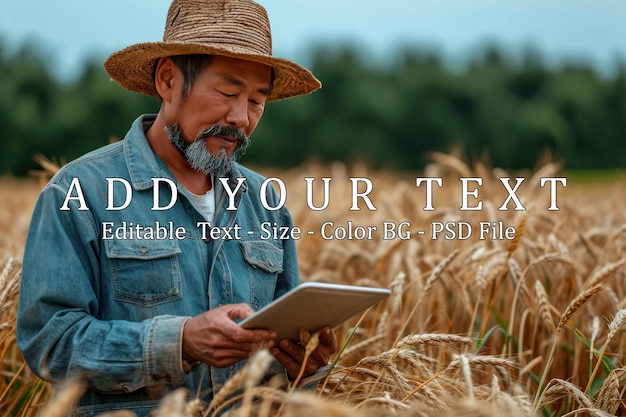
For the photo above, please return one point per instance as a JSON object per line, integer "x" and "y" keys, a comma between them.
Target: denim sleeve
{"x": 58, "y": 331}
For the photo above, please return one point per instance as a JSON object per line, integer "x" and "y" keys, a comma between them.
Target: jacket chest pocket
{"x": 263, "y": 255}
{"x": 144, "y": 272}
{"x": 265, "y": 263}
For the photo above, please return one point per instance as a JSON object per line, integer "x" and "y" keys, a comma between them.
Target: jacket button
{"x": 271, "y": 263}
{"x": 143, "y": 250}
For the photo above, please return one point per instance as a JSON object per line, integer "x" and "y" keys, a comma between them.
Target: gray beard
{"x": 198, "y": 156}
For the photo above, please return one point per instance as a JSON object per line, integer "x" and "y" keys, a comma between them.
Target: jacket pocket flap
{"x": 264, "y": 255}
{"x": 141, "y": 248}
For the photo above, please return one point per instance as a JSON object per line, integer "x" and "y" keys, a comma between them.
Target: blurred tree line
{"x": 388, "y": 116}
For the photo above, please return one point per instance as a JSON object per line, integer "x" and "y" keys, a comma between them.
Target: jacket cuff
{"x": 164, "y": 350}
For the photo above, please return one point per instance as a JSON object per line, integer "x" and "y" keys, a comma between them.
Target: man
{"x": 121, "y": 287}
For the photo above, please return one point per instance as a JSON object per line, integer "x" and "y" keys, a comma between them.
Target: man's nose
{"x": 238, "y": 113}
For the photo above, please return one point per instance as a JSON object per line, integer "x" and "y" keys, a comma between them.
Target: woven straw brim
{"x": 133, "y": 67}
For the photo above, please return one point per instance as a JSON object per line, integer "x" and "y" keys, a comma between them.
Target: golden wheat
{"x": 463, "y": 332}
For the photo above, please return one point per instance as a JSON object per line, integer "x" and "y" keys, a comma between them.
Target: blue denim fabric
{"x": 112, "y": 311}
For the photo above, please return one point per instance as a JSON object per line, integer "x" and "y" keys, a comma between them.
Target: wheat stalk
{"x": 311, "y": 344}
{"x": 617, "y": 322}
{"x": 434, "y": 339}
{"x": 595, "y": 332}
{"x": 467, "y": 374}
{"x": 436, "y": 272}
{"x": 575, "y": 305}
{"x": 605, "y": 272}
{"x": 559, "y": 388}
{"x": 64, "y": 400}
{"x": 544, "y": 307}
{"x": 247, "y": 376}
{"x": 609, "y": 394}
{"x": 519, "y": 229}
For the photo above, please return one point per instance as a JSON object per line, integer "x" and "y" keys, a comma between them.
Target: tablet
{"x": 311, "y": 306}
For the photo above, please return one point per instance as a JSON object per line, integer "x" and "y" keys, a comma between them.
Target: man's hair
{"x": 192, "y": 66}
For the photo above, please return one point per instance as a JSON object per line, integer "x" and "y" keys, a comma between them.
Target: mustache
{"x": 218, "y": 130}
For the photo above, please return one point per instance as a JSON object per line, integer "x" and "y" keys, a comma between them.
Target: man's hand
{"x": 291, "y": 354}
{"x": 215, "y": 339}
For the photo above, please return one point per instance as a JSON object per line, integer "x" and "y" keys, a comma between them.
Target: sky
{"x": 594, "y": 31}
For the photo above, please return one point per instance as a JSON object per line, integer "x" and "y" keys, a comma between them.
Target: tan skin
{"x": 228, "y": 92}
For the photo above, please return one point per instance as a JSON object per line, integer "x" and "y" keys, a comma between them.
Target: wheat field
{"x": 526, "y": 326}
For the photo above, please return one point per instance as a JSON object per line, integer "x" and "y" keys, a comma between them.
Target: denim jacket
{"x": 111, "y": 310}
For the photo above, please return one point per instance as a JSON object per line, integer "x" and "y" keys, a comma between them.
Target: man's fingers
{"x": 239, "y": 335}
{"x": 214, "y": 337}
{"x": 226, "y": 354}
{"x": 225, "y": 344}
{"x": 291, "y": 356}
{"x": 328, "y": 339}
{"x": 237, "y": 311}
{"x": 224, "y": 361}
{"x": 291, "y": 366}
{"x": 292, "y": 349}
{"x": 234, "y": 332}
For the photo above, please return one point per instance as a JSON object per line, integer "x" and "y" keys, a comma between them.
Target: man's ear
{"x": 164, "y": 78}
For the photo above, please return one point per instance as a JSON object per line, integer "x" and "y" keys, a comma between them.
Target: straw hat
{"x": 232, "y": 28}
